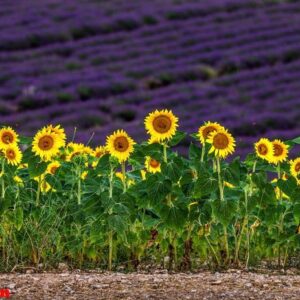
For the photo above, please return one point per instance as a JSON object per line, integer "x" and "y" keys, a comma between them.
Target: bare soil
{"x": 233, "y": 284}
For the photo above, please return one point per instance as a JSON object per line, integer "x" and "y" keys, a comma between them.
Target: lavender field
{"x": 104, "y": 65}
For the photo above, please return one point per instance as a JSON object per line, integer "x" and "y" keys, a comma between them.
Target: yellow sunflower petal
{"x": 7, "y": 137}
{"x": 13, "y": 154}
{"x": 152, "y": 165}
{"x": 205, "y": 130}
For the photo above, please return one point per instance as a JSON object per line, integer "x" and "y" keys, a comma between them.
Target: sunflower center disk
{"x": 277, "y": 150}
{"x": 262, "y": 149}
{"x": 53, "y": 170}
{"x": 207, "y": 131}
{"x": 154, "y": 163}
{"x": 220, "y": 141}
{"x": 162, "y": 124}
{"x": 7, "y": 138}
{"x": 46, "y": 143}
{"x": 297, "y": 167}
{"x": 11, "y": 154}
{"x": 121, "y": 144}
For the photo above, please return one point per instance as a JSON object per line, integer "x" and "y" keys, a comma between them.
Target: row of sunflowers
{"x": 133, "y": 202}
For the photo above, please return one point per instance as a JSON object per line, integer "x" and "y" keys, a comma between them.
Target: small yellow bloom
{"x": 52, "y": 167}
{"x": 229, "y": 185}
{"x": 100, "y": 151}
{"x": 19, "y": 180}
{"x": 295, "y": 168}
{"x": 84, "y": 175}
{"x": 152, "y": 165}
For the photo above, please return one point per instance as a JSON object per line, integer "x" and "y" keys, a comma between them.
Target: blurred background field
{"x": 104, "y": 65}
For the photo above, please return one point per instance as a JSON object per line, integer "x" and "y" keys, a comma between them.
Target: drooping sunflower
{"x": 13, "y": 154}
{"x": 280, "y": 152}
{"x": 59, "y": 131}
{"x": 161, "y": 125}
{"x": 222, "y": 143}
{"x": 205, "y": 130}
{"x": 7, "y": 137}
{"x": 295, "y": 168}
{"x": 120, "y": 145}
{"x": 46, "y": 144}
{"x": 264, "y": 149}
{"x": 52, "y": 167}
{"x": 152, "y": 165}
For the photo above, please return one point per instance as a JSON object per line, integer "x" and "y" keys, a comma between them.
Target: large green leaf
{"x": 158, "y": 188}
{"x": 224, "y": 211}
{"x": 205, "y": 185}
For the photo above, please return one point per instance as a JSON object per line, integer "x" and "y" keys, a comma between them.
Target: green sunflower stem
{"x": 111, "y": 176}
{"x": 123, "y": 165}
{"x": 165, "y": 153}
{"x": 38, "y": 194}
{"x": 221, "y": 187}
{"x": 2, "y": 179}
{"x": 279, "y": 177}
{"x": 110, "y": 249}
{"x": 203, "y": 152}
{"x": 79, "y": 186}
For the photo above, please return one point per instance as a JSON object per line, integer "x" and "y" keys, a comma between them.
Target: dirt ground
{"x": 233, "y": 284}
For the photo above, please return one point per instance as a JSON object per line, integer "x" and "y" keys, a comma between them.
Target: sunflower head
{"x": 161, "y": 125}
{"x": 59, "y": 131}
{"x": 100, "y": 151}
{"x": 120, "y": 145}
{"x": 76, "y": 149}
{"x": 205, "y": 130}
{"x": 46, "y": 144}
{"x": 52, "y": 167}
{"x": 295, "y": 168}
{"x": 152, "y": 165}
{"x": 7, "y": 137}
{"x": 13, "y": 155}
{"x": 222, "y": 143}
{"x": 264, "y": 149}
{"x": 280, "y": 152}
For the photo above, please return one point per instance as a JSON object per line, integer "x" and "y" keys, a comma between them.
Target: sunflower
{"x": 295, "y": 168}
{"x": 120, "y": 145}
{"x": 280, "y": 152}
{"x": 222, "y": 143}
{"x": 46, "y": 144}
{"x": 161, "y": 125}
{"x": 18, "y": 180}
{"x": 264, "y": 149}
{"x": 152, "y": 165}
{"x": 205, "y": 130}
{"x": 75, "y": 149}
{"x": 100, "y": 151}
{"x": 52, "y": 167}
{"x": 278, "y": 192}
{"x": 59, "y": 131}
{"x": 7, "y": 137}
{"x": 13, "y": 155}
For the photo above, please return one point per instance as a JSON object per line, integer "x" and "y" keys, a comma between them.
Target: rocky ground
{"x": 233, "y": 284}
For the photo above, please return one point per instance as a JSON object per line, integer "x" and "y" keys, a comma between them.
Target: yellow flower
{"x": 84, "y": 175}
{"x": 278, "y": 192}
{"x": 100, "y": 151}
{"x": 280, "y": 152}
{"x": 264, "y": 149}
{"x": 18, "y": 180}
{"x": 7, "y": 137}
{"x": 222, "y": 143}
{"x": 152, "y": 165}
{"x": 75, "y": 149}
{"x": 229, "y": 185}
{"x": 52, "y": 167}
{"x": 46, "y": 144}
{"x": 161, "y": 125}
{"x": 295, "y": 168}
{"x": 120, "y": 176}
{"x": 120, "y": 145}
{"x": 59, "y": 131}
{"x": 205, "y": 130}
{"x": 143, "y": 174}
{"x": 13, "y": 154}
